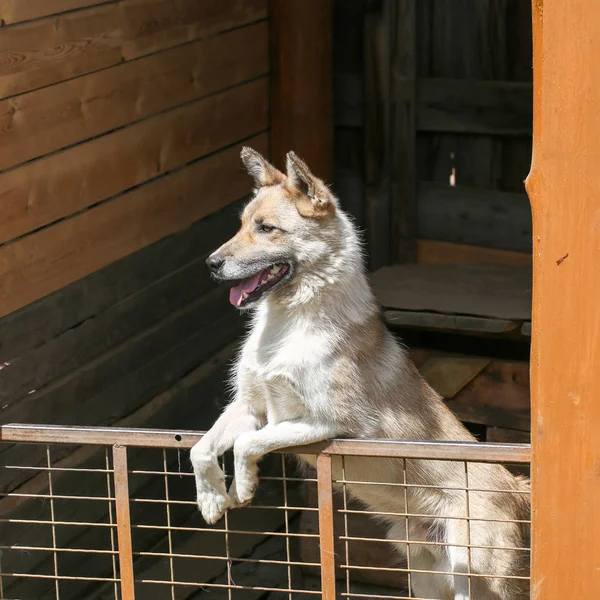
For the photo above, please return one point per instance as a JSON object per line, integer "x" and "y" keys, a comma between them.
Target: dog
{"x": 319, "y": 363}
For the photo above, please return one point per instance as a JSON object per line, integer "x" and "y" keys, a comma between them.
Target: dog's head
{"x": 288, "y": 230}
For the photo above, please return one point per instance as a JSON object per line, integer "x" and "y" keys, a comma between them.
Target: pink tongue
{"x": 247, "y": 285}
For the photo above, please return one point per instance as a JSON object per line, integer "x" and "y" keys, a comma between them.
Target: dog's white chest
{"x": 290, "y": 361}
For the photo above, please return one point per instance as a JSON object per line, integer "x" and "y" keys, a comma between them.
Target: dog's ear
{"x": 263, "y": 172}
{"x": 313, "y": 197}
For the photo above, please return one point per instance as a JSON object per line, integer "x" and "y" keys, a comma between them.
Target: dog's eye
{"x": 266, "y": 228}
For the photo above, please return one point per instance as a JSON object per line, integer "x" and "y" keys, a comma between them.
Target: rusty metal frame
{"x": 121, "y": 439}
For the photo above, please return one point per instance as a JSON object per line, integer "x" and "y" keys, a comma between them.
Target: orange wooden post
{"x": 564, "y": 189}
{"x": 301, "y": 83}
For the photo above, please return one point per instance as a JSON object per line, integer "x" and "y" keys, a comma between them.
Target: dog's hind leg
{"x": 459, "y": 558}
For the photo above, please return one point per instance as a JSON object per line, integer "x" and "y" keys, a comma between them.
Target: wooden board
{"x": 54, "y": 257}
{"x": 46, "y": 51}
{"x": 301, "y": 96}
{"x": 498, "y": 396}
{"x": 15, "y": 11}
{"x": 36, "y": 324}
{"x": 52, "y": 118}
{"x": 153, "y": 25}
{"x": 474, "y": 216}
{"x": 492, "y": 291}
{"x": 563, "y": 187}
{"x": 467, "y": 106}
{"x": 434, "y": 251}
{"x": 403, "y": 168}
{"x": 61, "y": 184}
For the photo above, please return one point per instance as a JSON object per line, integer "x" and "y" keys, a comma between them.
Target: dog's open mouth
{"x": 252, "y": 288}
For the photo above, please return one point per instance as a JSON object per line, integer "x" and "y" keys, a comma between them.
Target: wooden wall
{"x": 120, "y": 129}
{"x": 423, "y": 88}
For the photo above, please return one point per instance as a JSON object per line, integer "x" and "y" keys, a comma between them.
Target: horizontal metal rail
{"x": 162, "y": 438}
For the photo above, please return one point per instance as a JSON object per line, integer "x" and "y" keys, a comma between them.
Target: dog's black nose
{"x": 214, "y": 262}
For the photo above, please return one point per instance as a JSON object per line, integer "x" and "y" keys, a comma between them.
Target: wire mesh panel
{"x": 459, "y": 535}
{"x": 111, "y": 514}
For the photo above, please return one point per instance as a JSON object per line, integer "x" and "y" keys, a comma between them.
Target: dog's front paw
{"x": 242, "y": 489}
{"x": 213, "y": 503}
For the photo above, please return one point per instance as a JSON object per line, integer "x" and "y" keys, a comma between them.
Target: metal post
{"x": 123, "y": 522}
{"x": 326, "y": 535}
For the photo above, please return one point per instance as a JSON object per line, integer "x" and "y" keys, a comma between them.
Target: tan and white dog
{"x": 318, "y": 363}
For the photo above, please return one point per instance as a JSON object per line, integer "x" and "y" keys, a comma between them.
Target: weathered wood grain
{"x": 498, "y": 396}
{"x": 403, "y": 172}
{"x": 52, "y": 118}
{"x": 490, "y": 291}
{"x": 377, "y": 129}
{"x": 54, "y": 257}
{"x": 71, "y": 306}
{"x": 301, "y": 93}
{"x": 465, "y": 106}
{"x": 474, "y": 216}
{"x": 61, "y": 184}
{"x": 25, "y": 375}
{"x": 153, "y": 25}
{"x": 434, "y": 251}
{"x": 46, "y": 51}
{"x": 16, "y": 11}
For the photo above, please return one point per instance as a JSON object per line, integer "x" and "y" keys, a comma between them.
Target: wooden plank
{"x": 563, "y": 188}
{"x": 403, "y": 173}
{"x": 498, "y": 396}
{"x": 47, "y": 318}
{"x": 448, "y": 375}
{"x": 456, "y": 32}
{"x": 61, "y": 184}
{"x": 436, "y": 321}
{"x": 153, "y": 25}
{"x": 434, "y": 251}
{"x": 301, "y": 96}
{"x": 25, "y": 375}
{"x": 377, "y": 126}
{"x": 52, "y": 118}
{"x": 16, "y": 11}
{"x": 470, "y": 106}
{"x": 473, "y": 216}
{"x": 47, "y": 260}
{"x": 510, "y": 436}
{"x": 47, "y": 51}
{"x": 491, "y": 291}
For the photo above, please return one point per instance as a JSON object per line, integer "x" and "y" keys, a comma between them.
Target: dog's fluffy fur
{"x": 318, "y": 363}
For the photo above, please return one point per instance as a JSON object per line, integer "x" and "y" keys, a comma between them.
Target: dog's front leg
{"x": 250, "y": 447}
{"x": 211, "y": 490}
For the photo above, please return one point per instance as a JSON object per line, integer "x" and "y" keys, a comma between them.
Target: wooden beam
{"x": 302, "y": 85}
{"x": 466, "y": 106}
{"x": 564, "y": 189}
{"x": 403, "y": 173}
{"x": 475, "y": 216}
